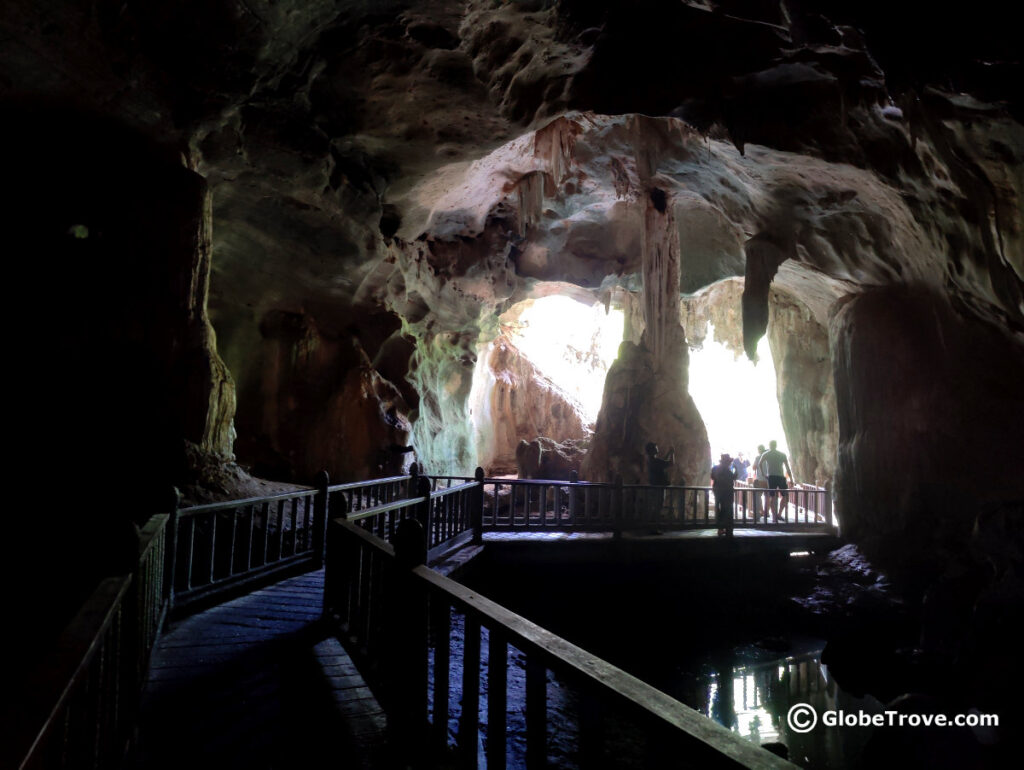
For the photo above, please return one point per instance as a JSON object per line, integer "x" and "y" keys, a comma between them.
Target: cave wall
{"x": 805, "y": 387}
{"x": 930, "y": 408}
{"x": 442, "y": 373}
{"x": 513, "y": 401}
{"x": 427, "y": 162}
{"x": 313, "y": 400}
{"x": 799, "y": 346}
{"x": 115, "y": 235}
{"x": 120, "y": 386}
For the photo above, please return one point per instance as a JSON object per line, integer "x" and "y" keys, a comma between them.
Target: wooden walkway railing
{"x": 524, "y": 505}
{"x": 84, "y": 704}
{"x": 399, "y": 615}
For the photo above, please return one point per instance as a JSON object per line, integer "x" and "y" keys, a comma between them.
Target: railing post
{"x": 171, "y": 546}
{"x": 827, "y": 505}
{"x": 320, "y": 518}
{"x": 574, "y": 479}
{"x": 478, "y": 508}
{"x": 617, "y": 506}
{"x": 408, "y": 642}
{"x": 422, "y": 511}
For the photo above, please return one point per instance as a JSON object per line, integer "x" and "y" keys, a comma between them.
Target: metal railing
{"x": 398, "y": 615}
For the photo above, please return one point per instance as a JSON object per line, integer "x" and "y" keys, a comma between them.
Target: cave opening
{"x": 542, "y": 375}
{"x": 736, "y": 397}
{"x": 571, "y": 343}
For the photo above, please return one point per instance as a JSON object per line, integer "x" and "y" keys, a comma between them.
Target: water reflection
{"x": 754, "y": 699}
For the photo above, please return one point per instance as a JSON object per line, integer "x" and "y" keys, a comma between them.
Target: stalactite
{"x": 530, "y": 197}
{"x": 555, "y": 144}
{"x": 660, "y": 244}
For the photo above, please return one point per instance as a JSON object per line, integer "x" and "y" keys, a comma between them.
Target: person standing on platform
{"x": 657, "y": 467}
{"x": 759, "y": 483}
{"x": 723, "y": 478}
{"x": 774, "y": 466}
{"x": 657, "y": 476}
{"x": 740, "y": 464}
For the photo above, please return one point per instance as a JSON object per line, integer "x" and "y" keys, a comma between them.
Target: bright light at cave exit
{"x": 574, "y": 345}
{"x": 737, "y": 399}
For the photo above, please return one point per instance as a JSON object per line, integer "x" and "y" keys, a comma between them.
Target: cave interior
{"x": 254, "y": 240}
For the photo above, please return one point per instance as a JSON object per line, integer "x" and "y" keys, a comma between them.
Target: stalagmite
{"x": 645, "y": 396}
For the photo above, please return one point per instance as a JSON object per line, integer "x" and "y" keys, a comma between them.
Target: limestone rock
{"x": 928, "y": 405}
{"x": 806, "y": 390}
{"x": 642, "y": 405}
{"x": 545, "y": 458}
{"x": 519, "y": 403}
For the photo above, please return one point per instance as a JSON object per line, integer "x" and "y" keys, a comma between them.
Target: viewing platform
{"x": 322, "y": 623}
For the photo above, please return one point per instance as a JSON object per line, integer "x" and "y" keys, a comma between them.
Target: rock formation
{"x": 403, "y": 173}
{"x": 646, "y": 397}
{"x": 544, "y": 458}
{"x": 517, "y": 402}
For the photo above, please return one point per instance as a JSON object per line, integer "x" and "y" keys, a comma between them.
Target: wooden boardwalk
{"x": 257, "y": 682}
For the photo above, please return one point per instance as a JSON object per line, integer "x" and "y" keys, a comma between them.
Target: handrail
{"x": 226, "y": 504}
{"x": 391, "y": 614}
{"x": 101, "y": 658}
{"x": 563, "y": 656}
{"x": 367, "y": 513}
{"x": 450, "y": 516}
{"x": 359, "y": 484}
{"x": 453, "y": 490}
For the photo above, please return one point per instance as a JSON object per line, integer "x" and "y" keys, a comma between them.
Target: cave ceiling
{"x": 372, "y": 156}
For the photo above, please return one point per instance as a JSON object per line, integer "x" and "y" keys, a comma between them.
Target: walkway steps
{"x": 257, "y": 683}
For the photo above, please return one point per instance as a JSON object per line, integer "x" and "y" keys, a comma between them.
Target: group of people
{"x": 770, "y": 469}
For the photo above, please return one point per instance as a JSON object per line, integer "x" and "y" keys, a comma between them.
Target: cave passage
{"x": 737, "y": 398}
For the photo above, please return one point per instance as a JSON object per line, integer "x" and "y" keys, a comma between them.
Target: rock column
{"x": 645, "y": 396}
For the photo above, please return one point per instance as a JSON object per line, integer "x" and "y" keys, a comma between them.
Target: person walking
{"x": 723, "y": 478}
{"x": 773, "y": 465}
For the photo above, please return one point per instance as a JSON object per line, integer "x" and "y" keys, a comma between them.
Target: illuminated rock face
{"x": 805, "y": 387}
{"x": 517, "y": 402}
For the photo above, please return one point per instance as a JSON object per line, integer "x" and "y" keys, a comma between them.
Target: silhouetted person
{"x": 723, "y": 477}
{"x": 657, "y": 476}
{"x": 774, "y": 466}
{"x": 657, "y": 467}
